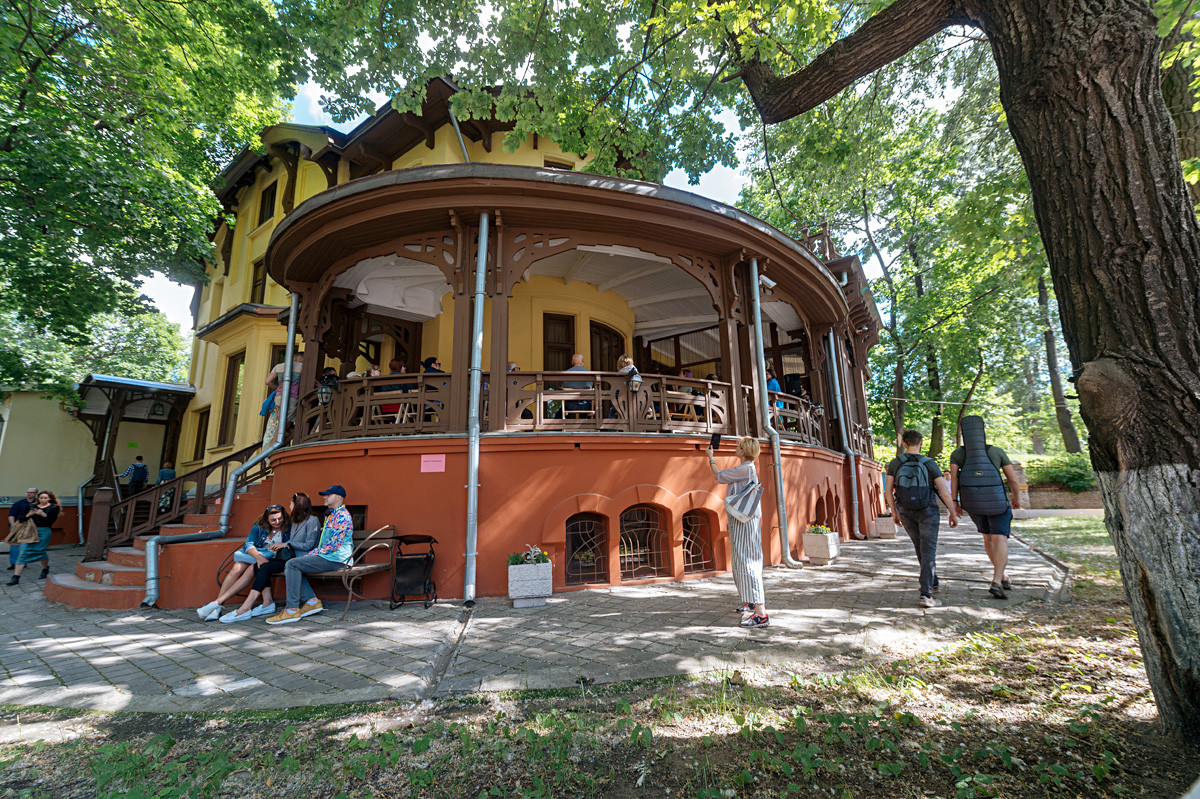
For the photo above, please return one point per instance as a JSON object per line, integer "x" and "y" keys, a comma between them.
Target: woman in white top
{"x": 745, "y": 538}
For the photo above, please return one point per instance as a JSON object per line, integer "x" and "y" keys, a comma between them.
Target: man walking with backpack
{"x": 138, "y": 474}
{"x": 977, "y": 488}
{"x": 914, "y": 482}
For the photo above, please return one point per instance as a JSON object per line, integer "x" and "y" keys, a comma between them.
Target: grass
{"x": 1052, "y": 704}
{"x": 1084, "y": 545}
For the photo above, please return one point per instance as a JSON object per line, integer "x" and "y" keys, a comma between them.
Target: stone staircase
{"x": 119, "y": 581}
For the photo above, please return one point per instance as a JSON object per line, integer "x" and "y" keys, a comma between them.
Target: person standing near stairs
{"x": 43, "y": 514}
{"x": 138, "y": 474}
{"x": 15, "y": 514}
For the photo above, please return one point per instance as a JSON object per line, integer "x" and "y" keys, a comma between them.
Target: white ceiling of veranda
{"x": 665, "y": 300}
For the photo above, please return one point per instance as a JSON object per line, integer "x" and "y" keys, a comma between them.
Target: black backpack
{"x": 913, "y": 490}
{"x": 980, "y": 487}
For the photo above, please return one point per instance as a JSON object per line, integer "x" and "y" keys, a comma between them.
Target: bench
{"x": 382, "y": 540}
{"x": 359, "y": 567}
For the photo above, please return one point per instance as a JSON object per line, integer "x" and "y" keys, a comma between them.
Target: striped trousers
{"x": 746, "y": 542}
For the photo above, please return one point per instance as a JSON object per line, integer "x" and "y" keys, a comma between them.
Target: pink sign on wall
{"x": 433, "y": 463}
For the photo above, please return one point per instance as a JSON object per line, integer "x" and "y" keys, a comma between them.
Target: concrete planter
{"x": 821, "y": 548}
{"x": 885, "y": 526}
{"x": 530, "y": 583}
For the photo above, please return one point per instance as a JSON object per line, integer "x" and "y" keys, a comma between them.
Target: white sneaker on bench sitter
{"x": 262, "y": 610}
{"x": 311, "y": 607}
{"x": 209, "y": 612}
{"x": 233, "y": 616}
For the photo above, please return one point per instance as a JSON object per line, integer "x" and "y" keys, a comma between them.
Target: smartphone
{"x": 715, "y": 441}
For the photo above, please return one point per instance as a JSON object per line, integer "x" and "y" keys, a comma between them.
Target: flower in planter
{"x": 531, "y": 555}
{"x": 819, "y": 529}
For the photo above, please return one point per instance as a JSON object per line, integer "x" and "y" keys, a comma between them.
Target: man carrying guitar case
{"x": 977, "y": 487}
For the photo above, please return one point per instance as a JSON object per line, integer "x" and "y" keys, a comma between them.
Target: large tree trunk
{"x": 1065, "y": 425}
{"x": 1079, "y": 86}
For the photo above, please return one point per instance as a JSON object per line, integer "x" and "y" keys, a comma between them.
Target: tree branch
{"x": 882, "y": 39}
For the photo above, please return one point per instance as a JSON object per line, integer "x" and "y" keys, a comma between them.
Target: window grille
{"x": 587, "y": 549}
{"x": 697, "y": 543}
{"x": 645, "y": 549}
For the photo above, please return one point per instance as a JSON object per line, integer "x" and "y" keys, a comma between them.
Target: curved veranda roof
{"x": 371, "y": 216}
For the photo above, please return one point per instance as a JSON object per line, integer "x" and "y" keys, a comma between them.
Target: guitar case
{"x": 980, "y": 485}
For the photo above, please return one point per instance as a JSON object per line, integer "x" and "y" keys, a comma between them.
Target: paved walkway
{"x": 168, "y": 661}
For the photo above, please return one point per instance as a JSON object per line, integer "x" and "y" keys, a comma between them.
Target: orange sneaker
{"x": 286, "y": 616}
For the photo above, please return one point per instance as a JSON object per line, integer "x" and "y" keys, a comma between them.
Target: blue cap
{"x": 334, "y": 489}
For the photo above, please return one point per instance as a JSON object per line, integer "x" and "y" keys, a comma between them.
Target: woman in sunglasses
{"x": 266, "y": 540}
{"x": 305, "y": 534}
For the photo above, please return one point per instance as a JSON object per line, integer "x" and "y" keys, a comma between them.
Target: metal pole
{"x": 839, "y": 405}
{"x": 473, "y": 404}
{"x": 231, "y": 486}
{"x": 764, "y": 411}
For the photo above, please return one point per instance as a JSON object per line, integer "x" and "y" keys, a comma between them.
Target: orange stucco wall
{"x": 530, "y": 485}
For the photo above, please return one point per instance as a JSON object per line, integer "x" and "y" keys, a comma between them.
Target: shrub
{"x": 1074, "y": 471}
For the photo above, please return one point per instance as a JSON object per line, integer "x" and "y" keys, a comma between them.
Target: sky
{"x": 721, "y": 184}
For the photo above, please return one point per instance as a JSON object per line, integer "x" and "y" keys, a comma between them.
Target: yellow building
{"x": 239, "y": 337}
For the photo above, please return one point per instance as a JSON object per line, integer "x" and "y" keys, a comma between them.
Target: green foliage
{"x": 531, "y": 555}
{"x": 144, "y": 345}
{"x": 116, "y": 118}
{"x": 1074, "y": 471}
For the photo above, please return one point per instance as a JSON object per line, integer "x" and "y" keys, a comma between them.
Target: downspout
{"x": 764, "y": 411}
{"x": 154, "y": 542}
{"x": 458, "y": 133}
{"x": 473, "y": 413}
{"x": 839, "y": 406}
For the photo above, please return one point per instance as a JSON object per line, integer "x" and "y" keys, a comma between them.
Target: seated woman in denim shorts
{"x": 271, "y": 529}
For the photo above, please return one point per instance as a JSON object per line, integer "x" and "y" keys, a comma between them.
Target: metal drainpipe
{"x": 458, "y": 133}
{"x": 839, "y": 406}
{"x": 231, "y": 486}
{"x": 473, "y": 413}
{"x": 764, "y": 411}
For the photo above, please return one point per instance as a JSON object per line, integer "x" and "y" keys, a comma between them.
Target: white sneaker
{"x": 233, "y": 616}
{"x": 263, "y": 610}
{"x": 209, "y": 612}
{"x": 926, "y": 602}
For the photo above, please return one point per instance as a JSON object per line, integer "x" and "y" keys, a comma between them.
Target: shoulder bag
{"x": 23, "y": 532}
{"x": 742, "y": 504}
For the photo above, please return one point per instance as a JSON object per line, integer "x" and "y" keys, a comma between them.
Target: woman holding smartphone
{"x": 745, "y": 538}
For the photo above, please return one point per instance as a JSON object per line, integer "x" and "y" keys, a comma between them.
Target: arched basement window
{"x": 587, "y": 549}
{"x": 645, "y": 549}
{"x": 697, "y": 542}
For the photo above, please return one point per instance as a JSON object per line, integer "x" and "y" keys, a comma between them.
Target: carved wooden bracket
{"x": 290, "y": 160}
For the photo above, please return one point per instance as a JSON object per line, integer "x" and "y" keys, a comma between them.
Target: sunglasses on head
{"x": 274, "y": 508}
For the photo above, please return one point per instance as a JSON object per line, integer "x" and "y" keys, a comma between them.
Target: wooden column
{"x": 97, "y": 535}
{"x": 731, "y": 361}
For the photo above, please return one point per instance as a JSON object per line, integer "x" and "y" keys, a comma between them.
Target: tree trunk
{"x": 1079, "y": 83}
{"x": 937, "y": 430}
{"x": 1061, "y": 411}
{"x": 1033, "y": 406}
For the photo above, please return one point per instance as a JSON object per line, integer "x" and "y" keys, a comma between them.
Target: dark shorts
{"x": 993, "y": 525}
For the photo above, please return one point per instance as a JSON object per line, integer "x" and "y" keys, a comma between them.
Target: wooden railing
{"x": 860, "y": 440}
{"x": 394, "y": 405}
{"x": 170, "y": 501}
{"x": 663, "y": 403}
{"x": 389, "y": 405}
{"x": 796, "y": 419}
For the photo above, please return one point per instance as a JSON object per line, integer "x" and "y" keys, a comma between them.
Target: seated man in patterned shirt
{"x": 333, "y": 552}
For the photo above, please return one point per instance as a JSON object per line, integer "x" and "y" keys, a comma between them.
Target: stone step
{"x": 105, "y": 572}
{"x": 207, "y": 520}
{"x": 70, "y": 589}
{"x": 127, "y": 556}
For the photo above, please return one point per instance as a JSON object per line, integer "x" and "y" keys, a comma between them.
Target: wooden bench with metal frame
{"x": 358, "y": 568}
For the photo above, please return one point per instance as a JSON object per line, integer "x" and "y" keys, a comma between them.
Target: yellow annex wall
{"x": 583, "y": 301}
{"x": 63, "y": 447}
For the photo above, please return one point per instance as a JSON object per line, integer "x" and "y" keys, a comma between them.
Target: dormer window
{"x": 266, "y": 203}
{"x": 558, "y": 163}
